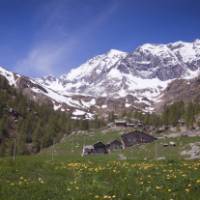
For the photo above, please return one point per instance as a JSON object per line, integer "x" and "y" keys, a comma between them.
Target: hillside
{"x": 71, "y": 146}
{"x": 26, "y": 126}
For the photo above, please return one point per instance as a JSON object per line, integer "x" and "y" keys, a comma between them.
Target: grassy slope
{"x": 71, "y": 147}
{"x": 70, "y": 176}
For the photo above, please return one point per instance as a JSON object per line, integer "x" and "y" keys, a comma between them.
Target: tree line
{"x": 172, "y": 115}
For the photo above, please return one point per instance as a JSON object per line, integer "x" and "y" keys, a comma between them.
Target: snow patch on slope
{"x": 9, "y": 76}
{"x": 185, "y": 50}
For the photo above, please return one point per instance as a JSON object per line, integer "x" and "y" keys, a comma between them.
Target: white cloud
{"x": 43, "y": 59}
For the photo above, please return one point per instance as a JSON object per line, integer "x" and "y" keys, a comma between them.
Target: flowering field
{"x": 39, "y": 179}
{"x": 60, "y": 173}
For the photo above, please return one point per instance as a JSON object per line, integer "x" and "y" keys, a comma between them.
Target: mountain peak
{"x": 114, "y": 52}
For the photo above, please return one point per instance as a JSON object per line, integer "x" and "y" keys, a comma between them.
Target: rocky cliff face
{"x": 162, "y": 61}
{"x": 186, "y": 90}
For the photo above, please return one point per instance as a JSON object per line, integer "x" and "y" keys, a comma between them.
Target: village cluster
{"x": 126, "y": 140}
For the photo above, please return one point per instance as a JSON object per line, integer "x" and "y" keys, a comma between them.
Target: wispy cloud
{"x": 52, "y": 51}
{"x": 44, "y": 58}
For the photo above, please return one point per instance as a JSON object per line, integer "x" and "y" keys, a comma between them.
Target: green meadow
{"x": 145, "y": 172}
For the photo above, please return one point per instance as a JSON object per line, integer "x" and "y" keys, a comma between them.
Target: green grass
{"x": 72, "y": 177}
{"x": 39, "y": 179}
{"x": 71, "y": 147}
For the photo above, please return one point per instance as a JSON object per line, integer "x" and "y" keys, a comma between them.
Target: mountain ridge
{"x": 138, "y": 77}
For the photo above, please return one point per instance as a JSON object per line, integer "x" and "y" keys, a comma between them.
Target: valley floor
{"x": 143, "y": 172}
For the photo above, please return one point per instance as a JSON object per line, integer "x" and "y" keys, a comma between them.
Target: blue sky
{"x": 41, "y": 37}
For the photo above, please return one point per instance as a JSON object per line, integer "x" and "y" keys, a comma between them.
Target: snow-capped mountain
{"x": 118, "y": 80}
{"x": 143, "y": 73}
{"x": 88, "y": 73}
